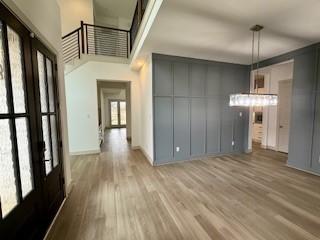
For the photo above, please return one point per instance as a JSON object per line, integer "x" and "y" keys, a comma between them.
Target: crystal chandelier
{"x": 254, "y": 99}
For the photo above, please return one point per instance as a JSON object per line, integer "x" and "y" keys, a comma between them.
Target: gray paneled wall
{"x": 304, "y": 136}
{"x": 192, "y": 116}
{"x": 315, "y": 163}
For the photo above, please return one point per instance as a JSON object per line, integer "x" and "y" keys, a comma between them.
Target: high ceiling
{"x": 112, "y": 11}
{"x": 219, "y": 30}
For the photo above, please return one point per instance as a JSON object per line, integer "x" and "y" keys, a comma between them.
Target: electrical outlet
{"x": 177, "y": 149}
{"x": 232, "y": 143}
{"x": 240, "y": 114}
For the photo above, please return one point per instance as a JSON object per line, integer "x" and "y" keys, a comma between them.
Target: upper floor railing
{"x": 98, "y": 40}
{"x": 95, "y": 40}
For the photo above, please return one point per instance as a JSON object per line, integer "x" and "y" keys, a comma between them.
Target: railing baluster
{"x": 82, "y": 37}
{"x": 78, "y": 35}
{"x": 86, "y": 26}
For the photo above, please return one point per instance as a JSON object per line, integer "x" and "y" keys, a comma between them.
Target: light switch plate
{"x": 177, "y": 149}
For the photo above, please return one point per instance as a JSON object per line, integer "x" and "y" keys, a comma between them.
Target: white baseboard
{"x": 69, "y": 188}
{"x": 269, "y": 147}
{"x": 85, "y": 152}
{"x": 144, "y": 153}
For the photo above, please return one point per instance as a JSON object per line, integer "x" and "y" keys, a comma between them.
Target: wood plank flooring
{"x": 118, "y": 195}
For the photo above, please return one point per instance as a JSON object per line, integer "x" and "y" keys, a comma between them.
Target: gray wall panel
{"x": 213, "y": 80}
{"x": 213, "y": 125}
{"x": 163, "y": 125}
{"x": 302, "y": 111}
{"x": 181, "y": 79}
{"x": 198, "y": 79}
{"x": 227, "y": 120}
{"x": 163, "y": 82}
{"x": 181, "y": 128}
{"x": 200, "y": 101}
{"x": 198, "y": 126}
{"x": 315, "y": 164}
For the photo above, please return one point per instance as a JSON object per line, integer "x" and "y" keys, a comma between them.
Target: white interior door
{"x": 284, "y": 107}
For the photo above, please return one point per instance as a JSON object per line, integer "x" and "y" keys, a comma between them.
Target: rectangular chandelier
{"x": 253, "y": 100}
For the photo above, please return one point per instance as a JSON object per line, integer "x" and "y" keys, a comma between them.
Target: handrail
{"x": 101, "y": 40}
{"x": 67, "y": 35}
{"x": 111, "y": 28}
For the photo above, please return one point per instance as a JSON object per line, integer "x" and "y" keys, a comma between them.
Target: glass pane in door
{"x": 17, "y": 72}
{"x": 8, "y": 187}
{"x": 24, "y": 154}
{"x": 3, "y": 76}
{"x": 46, "y": 139}
{"x": 42, "y": 82}
{"x": 123, "y": 119}
{"x": 50, "y": 85}
{"x": 114, "y": 113}
{"x": 54, "y": 140}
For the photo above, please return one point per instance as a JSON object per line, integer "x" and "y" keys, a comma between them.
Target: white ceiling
{"x": 114, "y": 9}
{"x": 219, "y": 30}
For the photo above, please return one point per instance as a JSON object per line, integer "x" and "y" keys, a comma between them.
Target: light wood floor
{"x": 118, "y": 195}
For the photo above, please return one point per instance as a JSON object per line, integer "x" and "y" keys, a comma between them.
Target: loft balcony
{"x": 90, "y": 39}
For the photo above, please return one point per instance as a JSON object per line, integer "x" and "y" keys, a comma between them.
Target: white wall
{"x": 43, "y": 18}
{"x": 273, "y": 74}
{"x": 82, "y": 103}
{"x": 146, "y": 108}
{"x": 73, "y": 11}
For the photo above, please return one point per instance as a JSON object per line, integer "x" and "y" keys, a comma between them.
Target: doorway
{"x": 284, "y": 107}
{"x": 31, "y": 177}
{"x": 114, "y": 108}
{"x": 269, "y": 126}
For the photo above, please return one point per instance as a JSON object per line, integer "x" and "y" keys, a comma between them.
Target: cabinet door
{"x": 198, "y": 126}
{"x": 163, "y": 83}
{"x": 213, "y": 125}
{"x": 163, "y": 128}
{"x": 181, "y": 79}
{"x": 181, "y": 129}
{"x": 198, "y": 79}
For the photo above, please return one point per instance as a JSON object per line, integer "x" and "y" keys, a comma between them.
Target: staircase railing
{"x": 95, "y": 40}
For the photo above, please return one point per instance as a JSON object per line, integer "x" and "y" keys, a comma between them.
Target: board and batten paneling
{"x": 213, "y": 125}
{"x": 163, "y": 120}
{"x": 181, "y": 79}
{"x": 315, "y": 164}
{"x": 197, "y": 79}
{"x": 302, "y": 111}
{"x": 198, "y": 126}
{"x": 181, "y": 128}
{"x": 197, "y": 99}
{"x": 163, "y": 81}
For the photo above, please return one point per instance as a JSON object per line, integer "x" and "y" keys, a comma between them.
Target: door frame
{"x": 119, "y": 115}
{"x": 278, "y": 114}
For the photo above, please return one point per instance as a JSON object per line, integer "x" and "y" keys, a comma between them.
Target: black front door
{"x": 46, "y": 95}
{"x": 31, "y": 186}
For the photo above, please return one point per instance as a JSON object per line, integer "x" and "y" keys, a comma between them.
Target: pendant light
{"x": 254, "y": 99}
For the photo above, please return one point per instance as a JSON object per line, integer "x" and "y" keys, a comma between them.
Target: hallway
{"x": 119, "y": 195}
